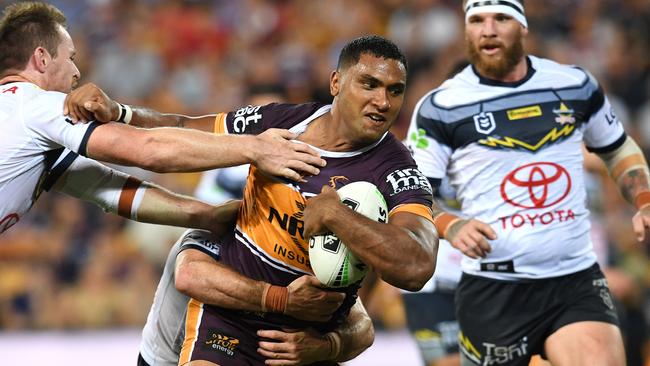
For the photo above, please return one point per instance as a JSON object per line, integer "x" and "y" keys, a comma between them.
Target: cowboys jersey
{"x": 33, "y": 131}
{"x": 512, "y": 152}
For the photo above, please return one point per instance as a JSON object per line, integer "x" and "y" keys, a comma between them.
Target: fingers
{"x": 273, "y": 334}
{"x": 639, "y": 226}
{"x": 306, "y": 149}
{"x": 277, "y": 132}
{"x": 485, "y": 229}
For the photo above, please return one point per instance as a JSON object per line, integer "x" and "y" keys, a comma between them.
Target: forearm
{"x": 215, "y": 284}
{"x": 160, "y": 206}
{"x": 167, "y": 150}
{"x": 629, "y": 169}
{"x": 400, "y": 257}
{"x": 357, "y": 333}
{"x": 148, "y": 118}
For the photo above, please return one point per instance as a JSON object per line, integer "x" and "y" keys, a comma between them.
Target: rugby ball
{"x": 332, "y": 262}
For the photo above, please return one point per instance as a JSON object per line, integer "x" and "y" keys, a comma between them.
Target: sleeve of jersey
{"x": 405, "y": 187}
{"x": 428, "y": 140}
{"x": 604, "y": 131}
{"x": 51, "y": 129}
{"x": 201, "y": 240}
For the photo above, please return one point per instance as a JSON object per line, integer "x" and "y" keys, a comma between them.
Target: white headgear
{"x": 511, "y": 7}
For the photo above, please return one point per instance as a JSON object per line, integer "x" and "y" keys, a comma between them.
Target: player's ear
{"x": 335, "y": 83}
{"x": 42, "y": 59}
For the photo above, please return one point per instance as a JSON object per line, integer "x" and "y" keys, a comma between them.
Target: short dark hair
{"x": 375, "y": 45}
{"x": 24, "y": 27}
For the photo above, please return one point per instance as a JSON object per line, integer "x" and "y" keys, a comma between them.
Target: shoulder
{"x": 565, "y": 75}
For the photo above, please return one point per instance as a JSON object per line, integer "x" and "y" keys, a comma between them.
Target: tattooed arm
{"x": 628, "y": 167}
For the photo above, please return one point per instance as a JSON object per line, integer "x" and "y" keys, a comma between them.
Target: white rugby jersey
{"x": 512, "y": 152}
{"x": 33, "y": 131}
{"x": 163, "y": 334}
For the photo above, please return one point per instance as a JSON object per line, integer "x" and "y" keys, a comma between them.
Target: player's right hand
{"x": 470, "y": 237}
{"x": 88, "y": 102}
{"x": 309, "y": 301}
{"x": 276, "y": 154}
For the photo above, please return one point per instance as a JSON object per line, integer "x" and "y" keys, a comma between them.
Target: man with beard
{"x": 507, "y": 131}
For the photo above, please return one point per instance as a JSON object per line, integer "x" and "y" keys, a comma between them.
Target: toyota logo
{"x": 536, "y": 185}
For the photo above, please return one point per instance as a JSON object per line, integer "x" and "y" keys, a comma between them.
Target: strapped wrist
{"x": 443, "y": 221}
{"x": 126, "y": 113}
{"x": 642, "y": 200}
{"x": 274, "y": 299}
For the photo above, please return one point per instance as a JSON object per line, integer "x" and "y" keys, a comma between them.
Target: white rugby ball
{"x": 333, "y": 263}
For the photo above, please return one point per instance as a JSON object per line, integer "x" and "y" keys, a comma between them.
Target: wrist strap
{"x": 274, "y": 299}
{"x": 334, "y": 340}
{"x": 642, "y": 200}
{"x": 443, "y": 221}
{"x": 126, "y": 113}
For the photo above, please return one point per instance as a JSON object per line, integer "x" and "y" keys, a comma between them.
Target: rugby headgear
{"x": 513, "y": 8}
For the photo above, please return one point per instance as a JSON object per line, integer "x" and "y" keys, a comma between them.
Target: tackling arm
{"x": 200, "y": 276}
{"x": 119, "y": 193}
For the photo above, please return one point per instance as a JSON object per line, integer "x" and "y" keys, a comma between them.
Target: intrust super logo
{"x": 245, "y": 117}
{"x": 407, "y": 179}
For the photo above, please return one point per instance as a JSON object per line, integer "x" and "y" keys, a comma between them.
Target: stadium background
{"x": 68, "y": 267}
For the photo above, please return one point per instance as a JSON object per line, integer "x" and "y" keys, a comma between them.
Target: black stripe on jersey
{"x": 609, "y": 148}
{"x": 58, "y": 170}
{"x": 84, "y": 141}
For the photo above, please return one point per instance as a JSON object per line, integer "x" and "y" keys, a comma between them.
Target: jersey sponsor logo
{"x": 407, "y": 179}
{"x": 294, "y": 225}
{"x": 246, "y": 116}
{"x": 526, "y": 112}
{"x": 510, "y": 142}
{"x": 498, "y": 355}
{"x": 8, "y": 221}
{"x": 200, "y": 240}
{"x": 418, "y": 138}
{"x": 536, "y": 185}
{"x": 564, "y": 115}
{"x": 484, "y": 122}
{"x": 221, "y": 343}
{"x": 611, "y": 117}
{"x": 468, "y": 348}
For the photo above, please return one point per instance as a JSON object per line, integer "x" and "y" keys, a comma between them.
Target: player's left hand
{"x": 317, "y": 209}
{"x": 88, "y": 102}
{"x": 292, "y": 347}
{"x": 640, "y": 223}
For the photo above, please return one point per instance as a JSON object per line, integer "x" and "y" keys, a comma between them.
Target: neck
{"x": 517, "y": 73}
{"x": 17, "y": 78}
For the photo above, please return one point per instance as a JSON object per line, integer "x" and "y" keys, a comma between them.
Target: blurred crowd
{"x": 68, "y": 265}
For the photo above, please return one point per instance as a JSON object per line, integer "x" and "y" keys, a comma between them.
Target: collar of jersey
{"x": 302, "y": 126}
{"x": 491, "y": 82}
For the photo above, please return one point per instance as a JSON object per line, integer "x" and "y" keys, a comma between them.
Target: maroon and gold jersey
{"x": 268, "y": 242}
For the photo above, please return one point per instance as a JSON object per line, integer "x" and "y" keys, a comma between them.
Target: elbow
{"x": 419, "y": 275}
{"x": 183, "y": 280}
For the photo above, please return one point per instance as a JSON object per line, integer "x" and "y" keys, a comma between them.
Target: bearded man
{"x": 507, "y": 132}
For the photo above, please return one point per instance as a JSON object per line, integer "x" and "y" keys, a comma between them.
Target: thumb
{"x": 92, "y": 106}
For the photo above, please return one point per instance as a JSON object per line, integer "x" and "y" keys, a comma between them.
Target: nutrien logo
{"x": 536, "y": 185}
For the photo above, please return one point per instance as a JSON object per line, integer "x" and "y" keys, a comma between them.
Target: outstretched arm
{"x": 119, "y": 193}
{"x": 302, "y": 347}
{"x": 628, "y": 167}
{"x": 198, "y": 275}
{"x": 402, "y": 252}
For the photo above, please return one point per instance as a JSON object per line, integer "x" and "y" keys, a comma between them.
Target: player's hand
{"x": 470, "y": 237}
{"x": 317, "y": 209}
{"x": 309, "y": 301}
{"x": 292, "y": 347}
{"x": 89, "y": 102}
{"x": 640, "y": 223}
{"x": 276, "y": 154}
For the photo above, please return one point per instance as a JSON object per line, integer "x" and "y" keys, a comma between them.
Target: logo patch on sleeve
{"x": 407, "y": 179}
